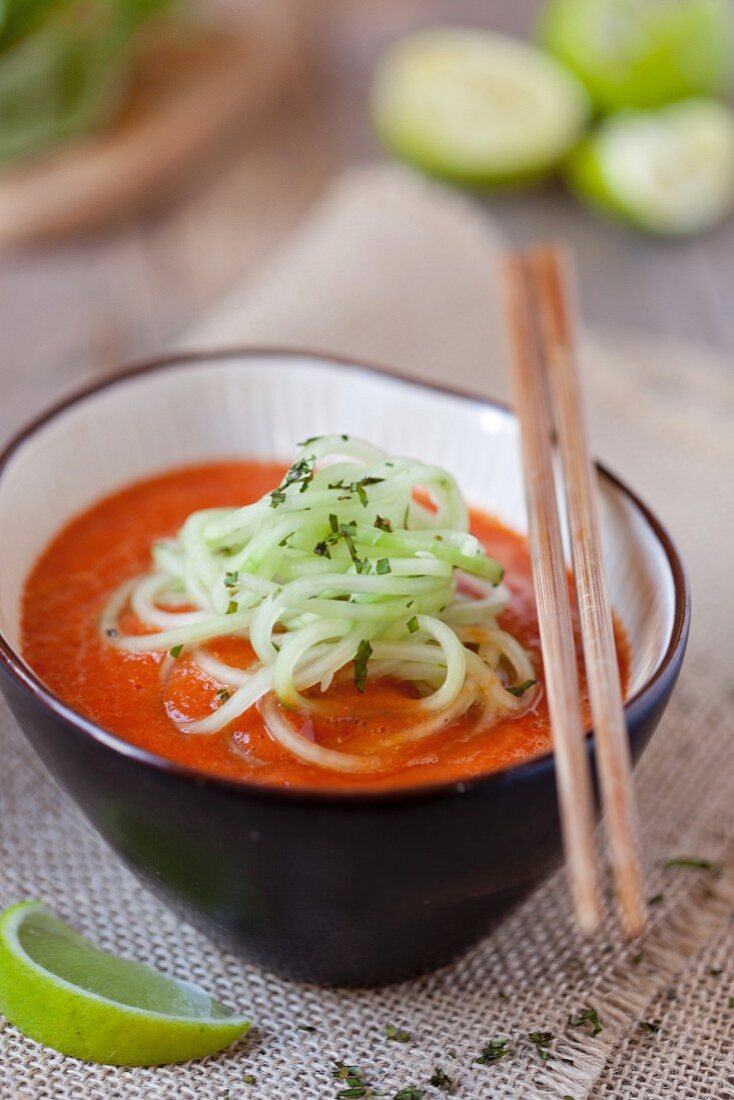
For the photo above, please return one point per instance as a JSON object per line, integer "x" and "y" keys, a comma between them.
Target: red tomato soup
{"x": 123, "y": 692}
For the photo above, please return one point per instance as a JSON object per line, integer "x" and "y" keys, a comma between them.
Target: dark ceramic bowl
{"x": 360, "y": 888}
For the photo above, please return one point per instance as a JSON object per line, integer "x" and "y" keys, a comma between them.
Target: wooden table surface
{"x": 76, "y": 309}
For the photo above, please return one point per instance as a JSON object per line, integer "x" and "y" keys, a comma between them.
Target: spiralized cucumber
{"x": 353, "y": 566}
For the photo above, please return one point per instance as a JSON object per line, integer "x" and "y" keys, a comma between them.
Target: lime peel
{"x": 55, "y": 988}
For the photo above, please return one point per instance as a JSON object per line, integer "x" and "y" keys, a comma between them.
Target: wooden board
{"x": 190, "y": 90}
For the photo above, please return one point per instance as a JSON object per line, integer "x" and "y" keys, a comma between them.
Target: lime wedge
{"x": 476, "y": 107}
{"x": 669, "y": 171}
{"x": 642, "y": 53}
{"x": 59, "y": 989}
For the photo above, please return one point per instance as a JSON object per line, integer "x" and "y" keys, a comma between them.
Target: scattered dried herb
{"x": 493, "y": 1051}
{"x": 541, "y": 1041}
{"x": 651, "y": 1027}
{"x": 397, "y": 1034}
{"x": 364, "y": 652}
{"x": 441, "y": 1080}
{"x": 590, "y": 1016}
{"x": 176, "y": 651}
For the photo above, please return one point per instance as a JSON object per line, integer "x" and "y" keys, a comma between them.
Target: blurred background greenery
{"x": 609, "y": 118}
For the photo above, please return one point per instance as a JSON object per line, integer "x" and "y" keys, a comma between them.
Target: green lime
{"x": 476, "y": 107}
{"x": 642, "y": 53}
{"x": 59, "y": 989}
{"x": 669, "y": 171}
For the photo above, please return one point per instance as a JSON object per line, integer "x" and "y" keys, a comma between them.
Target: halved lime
{"x": 669, "y": 171}
{"x": 59, "y": 989}
{"x": 642, "y": 53}
{"x": 476, "y": 107}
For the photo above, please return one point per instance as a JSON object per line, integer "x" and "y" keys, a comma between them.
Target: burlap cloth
{"x": 392, "y": 269}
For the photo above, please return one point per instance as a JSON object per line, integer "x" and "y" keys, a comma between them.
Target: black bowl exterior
{"x": 355, "y": 891}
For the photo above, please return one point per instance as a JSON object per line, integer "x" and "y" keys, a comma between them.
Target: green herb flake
{"x": 276, "y": 497}
{"x": 636, "y": 958}
{"x": 397, "y": 1034}
{"x": 693, "y": 863}
{"x": 333, "y": 523}
{"x": 383, "y": 524}
{"x": 656, "y": 899}
{"x": 493, "y": 1051}
{"x": 321, "y": 549}
{"x": 503, "y": 996}
{"x": 223, "y": 695}
{"x": 307, "y": 1027}
{"x": 441, "y": 1080}
{"x": 412, "y": 624}
{"x": 731, "y": 1002}
{"x": 412, "y": 1092}
{"x": 541, "y": 1040}
{"x": 364, "y": 652}
{"x": 650, "y": 1027}
{"x": 176, "y": 651}
{"x": 231, "y": 607}
{"x": 520, "y": 689}
{"x": 587, "y": 1016}
{"x": 230, "y": 579}
{"x": 382, "y": 566}
{"x": 249, "y": 1079}
{"x": 311, "y": 439}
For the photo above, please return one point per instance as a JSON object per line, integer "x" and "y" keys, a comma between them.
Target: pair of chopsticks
{"x": 541, "y": 333}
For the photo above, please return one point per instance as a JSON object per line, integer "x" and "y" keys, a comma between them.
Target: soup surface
{"x": 123, "y": 692}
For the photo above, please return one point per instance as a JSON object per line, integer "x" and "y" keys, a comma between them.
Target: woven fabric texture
{"x": 398, "y": 271}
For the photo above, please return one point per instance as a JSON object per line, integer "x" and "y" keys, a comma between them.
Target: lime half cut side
{"x": 59, "y": 989}
{"x": 669, "y": 171}
{"x": 475, "y": 107}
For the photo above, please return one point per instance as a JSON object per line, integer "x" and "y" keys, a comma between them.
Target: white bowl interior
{"x": 258, "y": 407}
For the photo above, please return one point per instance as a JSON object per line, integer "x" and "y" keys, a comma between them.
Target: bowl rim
{"x": 24, "y": 676}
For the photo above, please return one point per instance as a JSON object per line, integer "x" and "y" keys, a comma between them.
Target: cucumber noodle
{"x": 359, "y": 566}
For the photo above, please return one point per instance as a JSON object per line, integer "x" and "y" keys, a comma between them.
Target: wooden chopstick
{"x": 550, "y": 581}
{"x": 549, "y": 270}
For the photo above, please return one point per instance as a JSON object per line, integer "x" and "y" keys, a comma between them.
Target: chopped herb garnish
{"x": 322, "y": 549}
{"x": 223, "y": 695}
{"x": 412, "y": 1092}
{"x": 636, "y": 958}
{"x": 587, "y": 1016}
{"x": 650, "y": 1026}
{"x": 333, "y": 523}
{"x": 382, "y": 566}
{"x": 231, "y": 607}
{"x": 542, "y": 1040}
{"x": 383, "y": 524}
{"x": 503, "y": 996}
{"x": 276, "y": 497}
{"x": 656, "y": 899}
{"x": 364, "y": 652}
{"x": 441, "y": 1080}
{"x": 397, "y": 1034}
{"x": 249, "y": 1079}
{"x": 230, "y": 579}
{"x": 493, "y": 1051}
{"x": 358, "y": 1088}
{"x": 693, "y": 863}
{"x": 520, "y": 689}
{"x": 176, "y": 651}
{"x": 731, "y": 1002}
{"x": 312, "y": 439}
{"x": 412, "y": 624}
